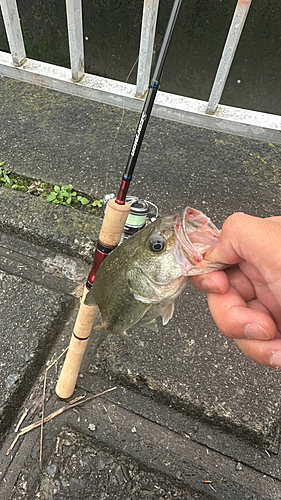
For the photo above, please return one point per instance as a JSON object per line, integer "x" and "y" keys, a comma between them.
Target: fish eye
{"x": 156, "y": 243}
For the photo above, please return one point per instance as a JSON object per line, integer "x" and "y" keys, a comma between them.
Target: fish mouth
{"x": 195, "y": 235}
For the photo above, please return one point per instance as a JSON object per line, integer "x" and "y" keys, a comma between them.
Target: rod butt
{"x": 84, "y": 322}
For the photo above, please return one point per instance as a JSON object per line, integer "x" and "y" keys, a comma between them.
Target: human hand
{"x": 245, "y": 300}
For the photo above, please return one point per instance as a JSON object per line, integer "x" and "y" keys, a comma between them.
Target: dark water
{"x": 112, "y": 30}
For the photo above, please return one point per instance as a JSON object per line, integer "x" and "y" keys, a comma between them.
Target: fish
{"x": 141, "y": 278}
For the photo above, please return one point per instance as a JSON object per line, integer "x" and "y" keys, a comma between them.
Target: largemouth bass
{"x": 142, "y": 277}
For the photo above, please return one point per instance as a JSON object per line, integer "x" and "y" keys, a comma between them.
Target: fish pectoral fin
{"x": 103, "y": 328}
{"x": 168, "y": 313}
{"x": 152, "y": 325}
{"x": 100, "y": 329}
{"x": 124, "y": 335}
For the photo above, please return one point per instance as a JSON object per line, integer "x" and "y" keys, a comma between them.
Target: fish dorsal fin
{"x": 168, "y": 313}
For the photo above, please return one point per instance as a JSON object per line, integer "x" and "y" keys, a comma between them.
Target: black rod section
{"x": 166, "y": 42}
{"x": 148, "y": 104}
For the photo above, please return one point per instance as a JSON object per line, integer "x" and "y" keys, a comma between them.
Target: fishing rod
{"x": 103, "y": 250}
{"x": 116, "y": 214}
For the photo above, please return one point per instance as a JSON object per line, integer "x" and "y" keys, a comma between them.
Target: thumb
{"x": 241, "y": 235}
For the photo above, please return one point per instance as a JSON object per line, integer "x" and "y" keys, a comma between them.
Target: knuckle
{"x": 236, "y": 229}
{"x": 235, "y": 220}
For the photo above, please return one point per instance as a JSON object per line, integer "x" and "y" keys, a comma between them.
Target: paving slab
{"x": 211, "y": 436}
{"x": 197, "y": 371}
{"x": 64, "y": 139}
{"x": 128, "y": 432}
{"x": 36, "y": 286}
{"x": 53, "y": 226}
{"x": 187, "y": 363}
{"x": 81, "y": 468}
{"x": 103, "y": 450}
{"x": 58, "y": 272}
{"x": 31, "y": 317}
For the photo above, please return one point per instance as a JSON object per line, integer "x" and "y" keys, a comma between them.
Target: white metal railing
{"x": 235, "y": 31}
{"x": 75, "y": 37}
{"x": 196, "y": 112}
{"x": 14, "y": 33}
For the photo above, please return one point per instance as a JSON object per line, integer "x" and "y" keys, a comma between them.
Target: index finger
{"x": 236, "y": 320}
{"x": 216, "y": 281}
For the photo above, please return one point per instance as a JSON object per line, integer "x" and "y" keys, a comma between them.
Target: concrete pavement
{"x": 191, "y": 417}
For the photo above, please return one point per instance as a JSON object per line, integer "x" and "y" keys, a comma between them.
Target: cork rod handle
{"x": 110, "y": 235}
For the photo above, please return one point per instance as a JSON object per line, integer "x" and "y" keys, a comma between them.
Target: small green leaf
{"x": 17, "y": 187}
{"x": 51, "y": 196}
{"x": 57, "y": 189}
{"x": 68, "y": 201}
{"x": 83, "y": 200}
{"x": 5, "y": 177}
{"x": 2, "y": 163}
{"x": 67, "y": 187}
{"x": 98, "y": 203}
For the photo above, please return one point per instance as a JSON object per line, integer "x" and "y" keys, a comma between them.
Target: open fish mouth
{"x": 195, "y": 234}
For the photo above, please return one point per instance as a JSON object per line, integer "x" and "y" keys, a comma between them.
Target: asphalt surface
{"x": 191, "y": 417}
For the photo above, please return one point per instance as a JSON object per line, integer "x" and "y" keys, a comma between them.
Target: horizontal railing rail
{"x": 211, "y": 114}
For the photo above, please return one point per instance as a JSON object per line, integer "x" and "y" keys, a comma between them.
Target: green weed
{"x": 60, "y": 195}
{"x": 8, "y": 180}
{"x": 63, "y": 195}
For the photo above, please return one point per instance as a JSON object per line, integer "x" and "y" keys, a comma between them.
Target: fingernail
{"x": 275, "y": 359}
{"x": 255, "y": 331}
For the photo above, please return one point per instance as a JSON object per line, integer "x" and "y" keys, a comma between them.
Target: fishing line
{"x": 118, "y": 128}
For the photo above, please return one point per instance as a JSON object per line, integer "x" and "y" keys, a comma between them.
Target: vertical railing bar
{"x": 13, "y": 29}
{"x": 75, "y": 38}
{"x": 233, "y": 37}
{"x": 149, "y": 19}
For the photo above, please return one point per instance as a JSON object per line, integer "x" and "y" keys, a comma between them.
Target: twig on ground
{"x": 75, "y": 402}
{"x": 43, "y": 402}
{"x": 21, "y": 419}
